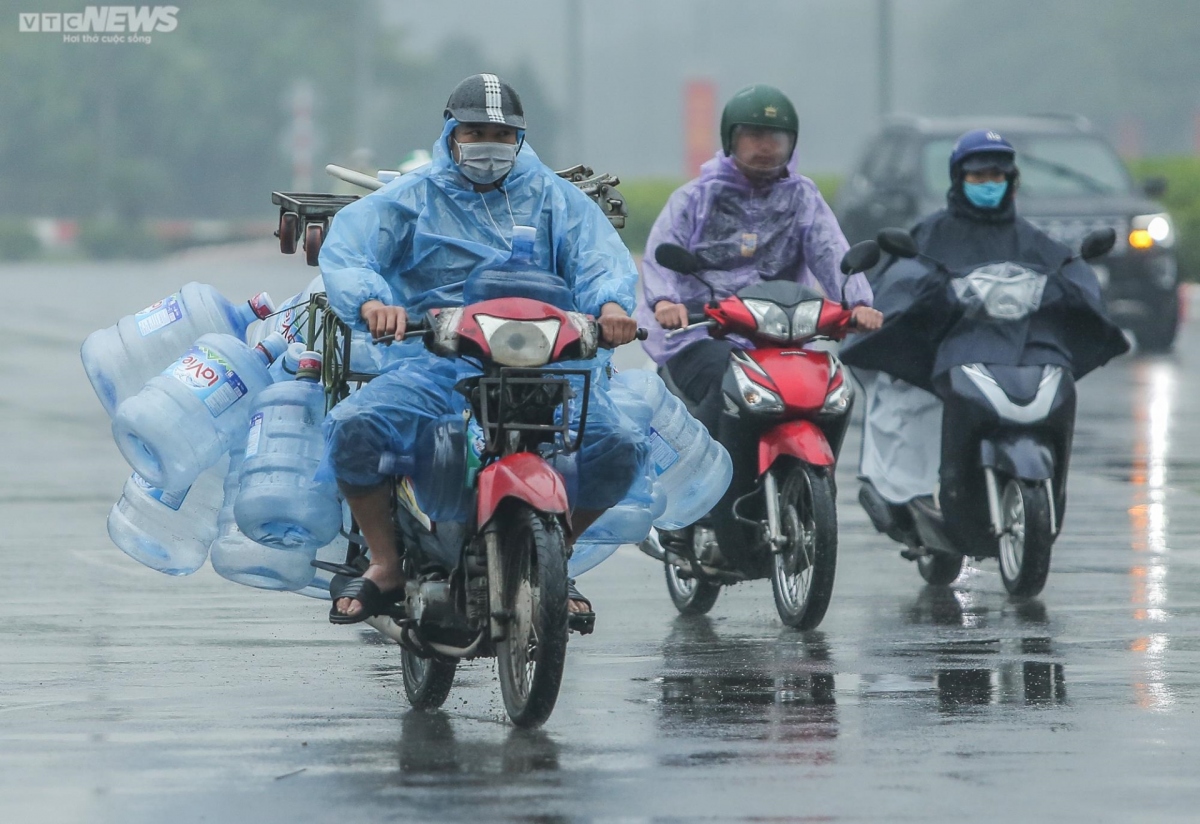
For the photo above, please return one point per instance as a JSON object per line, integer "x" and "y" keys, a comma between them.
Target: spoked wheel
{"x": 534, "y": 587}
{"x": 691, "y": 595}
{"x": 940, "y": 568}
{"x": 802, "y": 573}
{"x": 1027, "y": 539}
{"x": 427, "y": 681}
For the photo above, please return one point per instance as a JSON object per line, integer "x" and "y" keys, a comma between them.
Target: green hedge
{"x": 646, "y": 197}
{"x": 1182, "y": 201}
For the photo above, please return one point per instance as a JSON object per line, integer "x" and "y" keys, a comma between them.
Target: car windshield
{"x": 1051, "y": 166}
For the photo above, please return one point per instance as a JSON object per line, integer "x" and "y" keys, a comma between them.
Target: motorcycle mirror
{"x": 1098, "y": 243}
{"x": 860, "y": 257}
{"x": 677, "y": 259}
{"x": 897, "y": 242}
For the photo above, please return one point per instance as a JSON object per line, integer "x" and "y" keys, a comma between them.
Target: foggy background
{"x": 205, "y": 121}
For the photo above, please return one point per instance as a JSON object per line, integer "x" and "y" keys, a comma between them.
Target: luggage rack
{"x": 306, "y": 215}
{"x": 327, "y": 334}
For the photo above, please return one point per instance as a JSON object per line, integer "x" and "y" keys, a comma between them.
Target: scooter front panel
{"x": 799, "y": 376}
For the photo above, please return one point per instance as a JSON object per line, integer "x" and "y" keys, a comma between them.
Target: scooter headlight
{"x": 756, "y": 397}
{"x": 838, "y": 401}
{"x": 805, "y": 318}
{"x": 771, "y": 320}
{"x": 519, "y": 342}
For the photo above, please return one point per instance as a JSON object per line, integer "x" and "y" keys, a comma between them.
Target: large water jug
{"x": 291, "y": 318}
{"x": 237, "y": 558}
{"x": 120, "y": 359}
{"x": 168, "y": 531}
{"x": 185, "y": 419}
{"x": 694, "y": 470}
{"x": 333, "y": 552}
{"x": 284, "y": 368}
{"x": 280, "y": 503}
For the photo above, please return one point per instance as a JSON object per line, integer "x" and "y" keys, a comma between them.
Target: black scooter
{"x": 1007, "y": 433}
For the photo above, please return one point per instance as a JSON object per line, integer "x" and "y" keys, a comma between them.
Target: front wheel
{"x": 690, "y": 595}
{"x": 534, "y": 598}
{"x": 802, "y": 572}
{"x": 427, "y": 681}
{"x": 1027, "y": 538}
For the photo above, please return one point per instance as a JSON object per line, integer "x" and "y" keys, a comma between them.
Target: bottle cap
{"x": 273, "y": 345}
{"x": 262, "y": 305}
{"x": 310, "y": 366}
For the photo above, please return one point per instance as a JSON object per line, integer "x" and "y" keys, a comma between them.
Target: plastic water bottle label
{"x": 522, "y": 243}
{"x": 476, "y": 444}
{"x": 213, "y": 380}
{"x": 171, "y": 500}
{"x": 253, "y": 436}
{"x": 156, "y": 316}
{"x": 662, "y": 453}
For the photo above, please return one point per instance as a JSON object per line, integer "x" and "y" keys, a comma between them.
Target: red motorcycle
{"x": 785, "y": 413}
{"x": 495, "y": 586}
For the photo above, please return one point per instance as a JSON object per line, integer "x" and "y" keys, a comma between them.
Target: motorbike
{"x": 785, "y": 414}
{"x": 496, "y": 585}
{"x": 1007, "y": 429}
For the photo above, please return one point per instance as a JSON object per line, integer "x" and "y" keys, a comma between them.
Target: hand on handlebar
{"x": 384, "y": 321}
{"x": 866, "y": 319}
{"x": 670, "y": 315}
{"x": 616, "y": 327}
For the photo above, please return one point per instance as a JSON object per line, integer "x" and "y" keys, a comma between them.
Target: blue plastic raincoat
{"x": 414, "y": 243}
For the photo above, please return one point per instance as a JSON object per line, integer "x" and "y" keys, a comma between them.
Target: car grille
{"x": 1071, "y": 230}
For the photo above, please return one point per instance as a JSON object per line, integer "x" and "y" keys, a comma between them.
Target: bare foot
{"x": 574, "y": 606}
{"x": 387, "y": 579}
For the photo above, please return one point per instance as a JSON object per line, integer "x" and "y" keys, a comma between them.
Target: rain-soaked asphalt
{"x": 127, "y": 696}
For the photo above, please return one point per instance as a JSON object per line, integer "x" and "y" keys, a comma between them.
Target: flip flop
{"x": 582, "y": 622}
{"x": 366, "y": 592}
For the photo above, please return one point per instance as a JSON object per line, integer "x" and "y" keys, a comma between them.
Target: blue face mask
{"x": 986, "y": 195}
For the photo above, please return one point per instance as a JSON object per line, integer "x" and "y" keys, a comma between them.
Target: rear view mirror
{"x": 860, "y": 257}
{"x": 897, "y": 242}
{"x": 1098, "y": 243}
{"x": 677, "y": 259}
{"x": 1154, "y": 187}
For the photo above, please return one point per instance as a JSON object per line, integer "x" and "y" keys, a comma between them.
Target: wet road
{"x": 127, "y": 696}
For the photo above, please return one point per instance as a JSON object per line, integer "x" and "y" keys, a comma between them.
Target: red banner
{"x": 700, "y": 138}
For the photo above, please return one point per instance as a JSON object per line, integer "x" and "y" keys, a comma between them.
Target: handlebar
{"x": 420, "y": 327}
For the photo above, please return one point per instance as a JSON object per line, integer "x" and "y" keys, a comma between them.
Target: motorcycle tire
{"x": 534, "y": 595}
{"x": 691, "y": 596}
{"x": 427, "y": 681}
{"x": 802, "y": 575}
{"x": 940, "y": 569}
{"x": 1027, "y": 538}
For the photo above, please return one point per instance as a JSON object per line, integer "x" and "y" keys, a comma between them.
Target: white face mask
{"x": 485, "y": 163}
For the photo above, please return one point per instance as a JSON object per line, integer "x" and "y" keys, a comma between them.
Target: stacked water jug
{"x": 225, "y": 439}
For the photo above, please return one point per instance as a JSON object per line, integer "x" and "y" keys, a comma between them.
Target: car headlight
{"x": 1148, "y": 231}
{"x": 758, "y": 398}
{"x": 805, "y": 319}
{"x": 519, "y": 342}
{"x": 771, "y": 320}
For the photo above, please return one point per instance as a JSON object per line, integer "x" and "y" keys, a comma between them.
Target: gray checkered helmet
{"x": 485, "y": 98}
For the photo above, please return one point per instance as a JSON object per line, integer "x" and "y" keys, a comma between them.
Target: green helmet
{"x": 758, "y": 105}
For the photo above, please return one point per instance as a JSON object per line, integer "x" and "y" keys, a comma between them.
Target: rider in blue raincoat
{"x": 410, "y": 247}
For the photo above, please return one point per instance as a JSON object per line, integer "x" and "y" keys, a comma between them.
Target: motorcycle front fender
{"x": 799, "y": 439}
{"x": 1022, "y": 457}
{"x": 526, "y": 477}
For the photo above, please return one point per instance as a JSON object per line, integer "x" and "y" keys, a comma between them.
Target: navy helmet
{"x": 982, "y": 149}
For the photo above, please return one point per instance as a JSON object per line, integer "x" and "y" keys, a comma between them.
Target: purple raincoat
{"x": 745, "y": 234}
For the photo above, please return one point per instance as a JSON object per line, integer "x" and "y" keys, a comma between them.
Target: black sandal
{"x": 582, "y": 622}
{"x": 366, "y": 592}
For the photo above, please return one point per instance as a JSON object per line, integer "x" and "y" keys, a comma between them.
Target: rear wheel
{"x": 427, "y": 681}
{"x": 802, "y": 573}
{"x": 940, "y": 568}
{"x": 534, "y": 597}
{"x": 1027, "y": 538}
{"x": 690, "y": 595}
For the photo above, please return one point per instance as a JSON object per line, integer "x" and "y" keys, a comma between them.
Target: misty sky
{"x": 639, "y": 53}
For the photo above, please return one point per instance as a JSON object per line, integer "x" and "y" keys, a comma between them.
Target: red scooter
{"x": 785, "y": 413}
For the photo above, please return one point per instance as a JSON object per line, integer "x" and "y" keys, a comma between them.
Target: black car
{"x": 1071, "y": 183}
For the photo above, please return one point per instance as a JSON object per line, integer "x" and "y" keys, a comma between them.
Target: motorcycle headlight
{"x": 519, "y": 342}
{"x": 805, "y": 319}
{"x": 772, "y": 321}
{"x": 1148, "y": 231}
{"x": 758, "y": 398}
